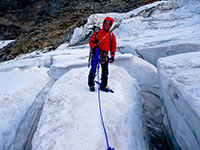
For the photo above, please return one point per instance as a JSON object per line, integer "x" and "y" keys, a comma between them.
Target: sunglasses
{"x": 108, "y": 21}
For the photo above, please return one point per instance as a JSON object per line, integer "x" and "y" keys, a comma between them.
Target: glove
{"x": 112, "y": 59}
{"x": 94, "y": 48}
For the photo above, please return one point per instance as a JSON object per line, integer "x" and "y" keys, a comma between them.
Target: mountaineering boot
{"x": 103, "y": 88}
{"x": 92, "y": 89}
{"x": 106, "y": 89}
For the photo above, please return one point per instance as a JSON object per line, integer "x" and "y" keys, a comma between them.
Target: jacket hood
{"x": 109, "y": 19}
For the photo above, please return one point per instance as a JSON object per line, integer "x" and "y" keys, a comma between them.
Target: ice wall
{"x": 179, "y": 83}
{"x": 70, "y": 118}
{"x": 184, "y": 2}
{"x": 19, "y": 105}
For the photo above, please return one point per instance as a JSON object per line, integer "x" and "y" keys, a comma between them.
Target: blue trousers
{"x": 104, "y": 74}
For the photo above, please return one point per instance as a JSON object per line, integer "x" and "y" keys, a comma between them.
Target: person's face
{"x": 107, "y": 25}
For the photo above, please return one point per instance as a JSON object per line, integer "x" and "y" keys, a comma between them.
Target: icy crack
{"x": 30, "y": 122}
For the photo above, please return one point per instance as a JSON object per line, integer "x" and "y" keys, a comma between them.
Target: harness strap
{"x": 96, "y": 39}
{"x": 110, "y": 41}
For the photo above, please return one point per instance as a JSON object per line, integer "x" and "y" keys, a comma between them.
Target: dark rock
{"x": 9, "y": 32}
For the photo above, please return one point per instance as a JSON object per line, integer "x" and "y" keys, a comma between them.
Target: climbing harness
{"x": 97, "y": 60}
{"x": 96, "y": 41}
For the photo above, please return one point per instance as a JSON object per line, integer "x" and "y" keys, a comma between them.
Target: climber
{"x": 105, "y": 41}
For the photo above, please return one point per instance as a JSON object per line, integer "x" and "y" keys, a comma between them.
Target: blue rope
{"x": 102, "y": 122}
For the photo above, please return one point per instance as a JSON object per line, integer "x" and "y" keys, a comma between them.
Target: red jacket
{"x": 104, "y": 39}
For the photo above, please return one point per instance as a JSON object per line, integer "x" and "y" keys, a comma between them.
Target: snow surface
{"x": 19, "y": 89}
{"x": 179, "y": 77}
{"x": 23, "y": 63}
{"x": 153, "y": 54}
{"x": 66, "y": 59}
{"x": 70, "y": 118}
{"x": 4, "y": 43}
{"x": 59, "y": 64}
{"x": 144, "y": 72}
{"x": 72, "y": 59}
{"x": 157, "y": 30}
{"x": 167, "y": 26}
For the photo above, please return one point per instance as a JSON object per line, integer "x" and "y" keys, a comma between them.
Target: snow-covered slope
{"x": 160, "y": 29}
{"x": 69, "y": 67}
{"x": 18, "y": 104}
{"x": 180, "y": 80}
{"x": 165, "y": 32}
{"x": 4, "y": 43}
{"x": 70, "y": 118}
{"x": 29, "y": 62}
{"x": 144, "y": 72}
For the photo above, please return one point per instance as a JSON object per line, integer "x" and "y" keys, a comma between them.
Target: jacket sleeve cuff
{"x": 112, "y": 54}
